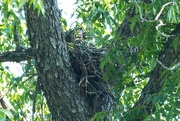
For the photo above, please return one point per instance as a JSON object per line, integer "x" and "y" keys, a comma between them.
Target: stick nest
{"x": 85, "y": 62}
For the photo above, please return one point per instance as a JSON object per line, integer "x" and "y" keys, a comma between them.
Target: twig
{"x": 156, "y": 18}
{"x": 171, "y": 68}
{"x": 160, "y": 12}
{"x": 140, "y": 13}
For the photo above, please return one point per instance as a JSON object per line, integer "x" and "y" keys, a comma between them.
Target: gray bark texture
{"x": 70, "y": 80}
{"x": 56, "y": 76}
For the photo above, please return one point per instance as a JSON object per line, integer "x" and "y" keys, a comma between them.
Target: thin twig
{"x": 171, "y": 68}
{"x": 156, "y": 18}
{"x": 160, "y": 12}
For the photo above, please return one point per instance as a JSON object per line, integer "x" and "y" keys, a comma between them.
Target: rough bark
{"x": 69, "y": 96}
{"x": 69, "y": 78}
{"x": 17, "y": 56}
{"x": 53, "y": 65}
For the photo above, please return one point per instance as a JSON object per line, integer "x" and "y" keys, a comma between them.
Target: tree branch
{"x": 166, "y": 58}
{"x": 17, "y": 56}
{"x": 4, "y": 103}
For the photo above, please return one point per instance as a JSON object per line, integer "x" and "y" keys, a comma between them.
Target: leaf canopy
{"x": 129, "y": 60}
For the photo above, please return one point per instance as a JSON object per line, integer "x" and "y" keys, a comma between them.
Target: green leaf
{"x": 157, "y": 114}
{"x": 155, "y": 99}
{"x": 2, "y": 27}
{"x": 175, "y": 43}
{"x": 2, "y": 116}
{"x": 176, "y": 8}
{"x": 177, "y": 104}
{"x": 148, "y": 99}
{"x": 103, "y": 62}
{"x": 41, "y": 6}
{"x": 64, "y": 21}
{"x": 95, "y": 17}
{"x": 133, "y": 23}
{"x": 99, "y": 116}
{"x": 169, "y": 116}
{"x": 105, "y": 37}
{"x": 22, "y": 3}
{"x": 133, "y": 58}
{"x": 35, "y": 3}
{"x": 157, "y": 106}
{"x": 8, "y": 113}
{"x": 176, "y": 111}
{"x": 97, "y": 4}
{"x": 83, "y": 10}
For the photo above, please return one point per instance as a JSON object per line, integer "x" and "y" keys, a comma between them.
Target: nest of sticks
{"x": 85, "y": 61}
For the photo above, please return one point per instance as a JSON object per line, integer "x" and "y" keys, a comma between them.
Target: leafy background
{"x": 128, "y": 61}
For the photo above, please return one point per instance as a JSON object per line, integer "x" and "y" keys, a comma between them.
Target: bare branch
{"x": 140, "y": 13}
{"x": 16, "y": 56}
{"x": 169, "y": 68}
{"x": 156, "y": 18}
{"x": 160, "y": 12}
{"x": 4, "y": 103}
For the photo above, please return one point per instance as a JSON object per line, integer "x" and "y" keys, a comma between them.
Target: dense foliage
{"x": 127, "y": 65}
{"x": 135, "y": 56}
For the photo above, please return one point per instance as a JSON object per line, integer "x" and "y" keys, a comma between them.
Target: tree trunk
{"x": 56, "y": 76}
{"x": 55, "y": 73}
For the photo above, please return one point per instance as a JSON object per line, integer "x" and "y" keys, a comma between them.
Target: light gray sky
{"x": 68, "y": 8}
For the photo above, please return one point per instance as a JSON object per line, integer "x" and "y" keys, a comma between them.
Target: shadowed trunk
{"x": 70, "y": 78}
{"x": 56, "y": 76}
